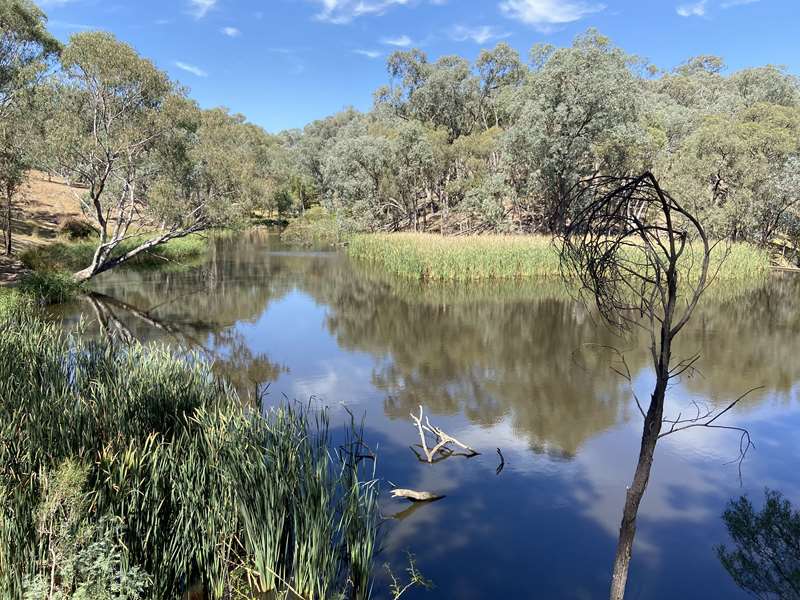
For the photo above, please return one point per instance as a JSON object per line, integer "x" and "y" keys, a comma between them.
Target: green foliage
{"x": 84, "y": 560}
{"x": 48, "y": 287}
{"x": 315, "y": 227}
{"x": 433, "y": 257}
{"x": 77, "y": 229}
{"x": 765, "y": 560}
{"x": 183, "y": 482}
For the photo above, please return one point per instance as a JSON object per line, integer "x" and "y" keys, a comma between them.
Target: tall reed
{"x": 431, "y": 257}
{"x": 206, "y": 490}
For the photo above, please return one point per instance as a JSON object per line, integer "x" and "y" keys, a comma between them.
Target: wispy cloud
{"x": 200, "y": 8}
{"x": 402, "y": 41}
{"x": 344, "y": 11}
{"x": 479, "y": 35}
{"x": 732, "y": 3}
{"x": 191, "y": 69}
{"x": 231, "y": 31}
{"x": 544, "y": 14}
{"x": 369, "y": 53}
{"x": 697, "y": 9}
{"x": 56, "y": 24}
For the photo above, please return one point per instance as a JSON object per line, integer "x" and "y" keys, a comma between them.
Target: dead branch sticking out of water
{"x": 502, "y": 463}
{"x": 415, "y": 496}
{"x": 441, "y": 449}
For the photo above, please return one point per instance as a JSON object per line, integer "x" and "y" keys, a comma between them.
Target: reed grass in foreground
{"x": 128, "y": 473}
{"x": 485, "y": 257}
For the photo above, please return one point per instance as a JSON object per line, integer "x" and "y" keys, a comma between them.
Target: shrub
{"x": 77, "y": 229}
{"x": 315, "y": 227}
{"x": 48, "y": 287}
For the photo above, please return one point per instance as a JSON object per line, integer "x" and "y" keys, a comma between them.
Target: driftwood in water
{"x": 415, "y": 496}
{"x": 441, "y": 448}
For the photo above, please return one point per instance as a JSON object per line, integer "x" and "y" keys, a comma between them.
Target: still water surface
{"x": 509, "y": 367}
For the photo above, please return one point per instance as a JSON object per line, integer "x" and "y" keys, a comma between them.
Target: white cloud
{"x": 732, "y": 3}
{"x": 543, "y": 14}
{"x": 231, "y": 31}
{"x": 698, "y": 9}
{"x": 344, "y": 11}
{"x": 479, "y": 35}
{"x": 402, "y": 41}
{"x": 56, "y": 24}
{"x": 369, "y": 53}
{"x": 200, "y": 8}
{"x": 191, "y": 69}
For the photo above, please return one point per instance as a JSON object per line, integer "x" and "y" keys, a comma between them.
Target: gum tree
{"x": 25, "y": 46}
{"x": 154, "y": 166}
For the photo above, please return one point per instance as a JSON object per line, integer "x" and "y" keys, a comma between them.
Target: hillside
{"x": 40, "y": 209}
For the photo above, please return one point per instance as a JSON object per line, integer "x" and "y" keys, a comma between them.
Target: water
{"x": 510, "y": 367}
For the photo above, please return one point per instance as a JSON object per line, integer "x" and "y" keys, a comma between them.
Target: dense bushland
{"x": 499, "y": 145}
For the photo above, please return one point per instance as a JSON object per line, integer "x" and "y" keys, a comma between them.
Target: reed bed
{"x": 440, "y": 258}
{"x": 127, "y": 465}
{"x": 431, "y": 257}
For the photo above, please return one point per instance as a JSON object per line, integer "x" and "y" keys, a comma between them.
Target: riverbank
{"x": 431, "y": 257}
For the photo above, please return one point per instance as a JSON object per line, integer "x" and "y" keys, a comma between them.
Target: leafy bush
{"x": 315, "y": 227}
{"x": 77, "y": 229}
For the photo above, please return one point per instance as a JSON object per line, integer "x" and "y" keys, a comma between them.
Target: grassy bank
{"x": 127, "y": 472}
{"x": 70, "y": 256}
{"x": 495, "y": 257}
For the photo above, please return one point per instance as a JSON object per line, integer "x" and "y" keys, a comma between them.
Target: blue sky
{"x": 283, "y": 63}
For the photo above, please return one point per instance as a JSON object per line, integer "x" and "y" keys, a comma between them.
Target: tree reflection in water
{"x": 765, "y": 561}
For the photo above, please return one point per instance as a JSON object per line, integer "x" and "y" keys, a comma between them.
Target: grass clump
{"x": 439, "y": 258}
{"x": 431, "y": 257}
{"x": 149, "y": 470}
{"x": 46, "y": 287}
{"x": 72, "y": 256}
{"x": 316, "y": 227}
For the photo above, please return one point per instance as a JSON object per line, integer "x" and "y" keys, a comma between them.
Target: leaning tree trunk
{"x": 635, "y": 493}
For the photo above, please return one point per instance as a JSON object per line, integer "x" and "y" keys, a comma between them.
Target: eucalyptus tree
{"x": 123, "y": 130}
{"x": 25, "y": 47}
{"x": 578, "y": 110}
{"x": 735, "y": 166}
{"x": 501, "y": 73}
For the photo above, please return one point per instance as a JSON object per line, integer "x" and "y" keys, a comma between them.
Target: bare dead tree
{"x": 643, "y": 260}
{"x": 441, "y": 446}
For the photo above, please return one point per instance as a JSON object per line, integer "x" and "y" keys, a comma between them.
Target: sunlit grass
{"x": 71, "y": 256}
{"x": 431, "y": 257}
{"x": 440, "y": 258}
